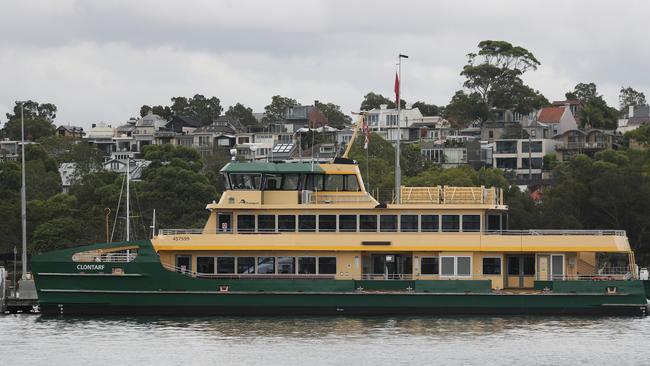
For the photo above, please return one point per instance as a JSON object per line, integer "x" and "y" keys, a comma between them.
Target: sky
{"x": 100, "y": 61}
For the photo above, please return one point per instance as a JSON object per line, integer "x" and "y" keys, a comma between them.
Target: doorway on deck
{"x": 521, "y": 270}
{"x": 388, "y": 266}
{"x": 550, "y": 267}
{"x": 224, "y": 222}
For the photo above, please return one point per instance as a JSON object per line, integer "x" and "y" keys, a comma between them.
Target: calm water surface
{"x": 38, "y": 340}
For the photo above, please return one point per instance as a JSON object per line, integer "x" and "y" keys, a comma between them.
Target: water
{"x": 39, "y": 340}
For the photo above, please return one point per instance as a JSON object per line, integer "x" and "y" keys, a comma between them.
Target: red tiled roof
{"x": 550, "y": 114}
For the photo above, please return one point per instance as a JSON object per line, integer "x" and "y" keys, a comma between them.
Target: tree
{"x": 428, "y": 109}
{"x": 276, "y": 111}
{"x": 335, "y": 117}
{"x": 204, "y": 110}
{"x": 464, "y": 108}
{"x": 38, "y": 120}
{"x": 595, "y": 112}
{"x": 630, "y": 97}
{"x": 374, "y": 101}
{"x": 496, "y": 68}
{"x": 242, "y": 113}
{"x": 641, "y": 135}
{"x": 65, "y": 149}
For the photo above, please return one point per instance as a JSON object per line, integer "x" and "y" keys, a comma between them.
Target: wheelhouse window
{"x": 494, "y": 223}
{"x": 327, "y": 223}
{"x": 314, "y": 182}
{"x": 430, "y": 223}
{"x": 307, "y": 223}
{"x": 273, "y": 182}
{"x": 491, "y": 266}
{"x": 245, "y": 223}
{"x": 290, "y": 182}
{"x": 348, "y": 223}
{"x": 408, "y": 223}
{"x": 226, "y": 265}
{"x": 327, "y": 265}
{"x": 245, "y": 181}
{"x": 286, "y": 265}
{"x": 387, "y": 223}
{"x": 266, "y": 223}
{"x": 246, "y": 265}
{"x": 205, "y": 265}
{"x": 334, "y": 182}
{"x": 471, "y": 223}
{"x": 306, "y": 265}
{"x": 266, "y": 265}
{"x": 450, "y": 223}
{"x": 351, "y": 183}
{"x": 286, "y": 223}
{"x": 429, "y": 265}
{"x": 368, "y": 223}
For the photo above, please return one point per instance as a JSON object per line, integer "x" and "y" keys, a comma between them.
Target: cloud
{"x": 100, "y": 61}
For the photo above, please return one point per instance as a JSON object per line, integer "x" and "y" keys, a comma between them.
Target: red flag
{"x": 396, "y": 89}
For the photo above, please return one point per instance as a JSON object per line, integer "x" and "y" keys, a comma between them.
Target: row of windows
{"x": 293, "y": 182}
{"x": 457, "y": 266}
{"x": 265, "y": 265}
{"x": 362, "y": 223}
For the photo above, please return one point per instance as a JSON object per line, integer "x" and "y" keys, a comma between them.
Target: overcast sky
{"x": 101, "y": 60}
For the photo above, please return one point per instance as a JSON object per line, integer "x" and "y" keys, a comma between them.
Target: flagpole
{"x": 398, "y": 169}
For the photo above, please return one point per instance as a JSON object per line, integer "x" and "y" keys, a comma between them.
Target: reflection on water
{"x": 36, "y": 340}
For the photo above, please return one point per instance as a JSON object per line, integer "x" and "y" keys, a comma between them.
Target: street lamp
{"x": 23, "y": 200}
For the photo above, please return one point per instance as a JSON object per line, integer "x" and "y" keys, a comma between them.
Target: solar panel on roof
{"x": 282, "y": 148}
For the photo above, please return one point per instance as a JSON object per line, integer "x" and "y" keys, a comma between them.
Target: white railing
{"x": 105, "y": 257}
{"x": 315, "y": 198}
{"x": 389, "y": 276}
{"x": 533, "y": 232}
{"x": 180, "y": 231}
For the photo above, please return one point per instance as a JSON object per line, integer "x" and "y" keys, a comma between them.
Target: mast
{"x": 23, "y": 194}
{"x": 128, "y": 202}
{"x": 398, "y": 170}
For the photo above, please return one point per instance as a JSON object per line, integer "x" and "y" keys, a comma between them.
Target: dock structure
{"x": 12, "y": 301}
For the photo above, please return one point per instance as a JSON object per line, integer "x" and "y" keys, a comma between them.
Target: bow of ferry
{"x": 308, "y": 239}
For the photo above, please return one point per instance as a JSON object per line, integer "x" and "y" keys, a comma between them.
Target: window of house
{"x": 491, "y": 266}
{"x": 367, "y": 223}
{"x": 450, "y": 223}
{"x": 471, "y": 223}
{"x": 286, "y": 265}
{"x": 266, "y": 265}
{"x": 327, "y": 223}
{"x": 429, "y": 265}
{"x": 348, "y": 223}
{"x": 408, "y": 223}
{"x": 226, "y": 265}
{"x": 327, "y": 265}
{"x": 430, "y": 223}
{"x": 245, "y": 223}
{"x": 307, "y": 265}
{"x": 246, "y": 265}
{"x": 266, "y": 223}
{"x": 307, "y": 223}
{"x": 205, "y": 265}
{"x": 387, "y": 223}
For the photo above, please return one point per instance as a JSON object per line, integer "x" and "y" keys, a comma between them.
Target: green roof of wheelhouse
{"x": 270, "y": 168}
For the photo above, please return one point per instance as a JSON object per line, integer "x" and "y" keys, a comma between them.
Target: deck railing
{"x": 320, "y": 198}
{"x": 450, "y": 195}
{"x": 531, "y": 232}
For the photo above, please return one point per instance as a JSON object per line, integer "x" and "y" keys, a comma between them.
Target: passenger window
{"x": 430, "y": 223}
{"x": 387, "y": 223}
{"x": 429, "y": 265}
{"x": 334, "y": 182}
{"x": 286, "y": 265}
{"x": 368, "y": 223}
{"x": 471, "y": 223}
{"x": 450, "y": 223}
{"x": 245, "y": 223}
{"x": 408, "y": 223}
{"x": 226, "y": 265}
{"x": 327, "y": 265}
{"x": 327, "y": 223}
{"x": 351, "y": 183}
{"x": 265, "y": 265}
{"x": 307, "y": 223}
{"x": 307, "y": 265}
{"x": 266, "y": 223}
{"x": 205, "y": 265}
{"x": 348, "y": 223}
{"x": 246, "y": 265}
{"x": 286, "y": 223}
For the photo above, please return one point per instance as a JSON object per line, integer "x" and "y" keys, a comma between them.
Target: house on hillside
{"x": 182, "y": 124}
{"x": 70, "y": 131}
{"x": 561, "y": 119}
{"x": 636, "y": 117}
{"x": 588, "y": 142}
{"x": 147, "y": 131}
{"x": 303, "y": 116}
{"x": 101, "y": 135}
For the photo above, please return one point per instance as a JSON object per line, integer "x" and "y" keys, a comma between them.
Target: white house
{"x": 559, "y": 119}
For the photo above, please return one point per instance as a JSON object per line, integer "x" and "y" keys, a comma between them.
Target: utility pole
{"x": 398, "y": 170}
{"x": 128, "y": 201}
{"x": 23, "y": 194}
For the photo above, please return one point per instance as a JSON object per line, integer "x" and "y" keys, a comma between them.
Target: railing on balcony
{"x": 320, "y": 198}
{"x": 387, "y": 276}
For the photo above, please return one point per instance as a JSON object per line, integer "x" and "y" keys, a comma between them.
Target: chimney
{"x": 383, "y": 106}
{"x": 630, "y": 111}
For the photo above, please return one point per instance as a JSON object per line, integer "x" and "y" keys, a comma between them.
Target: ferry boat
{"x": 307, "y": 238}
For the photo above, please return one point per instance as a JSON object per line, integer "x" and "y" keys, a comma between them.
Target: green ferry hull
{"x": 144, "y": 287}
